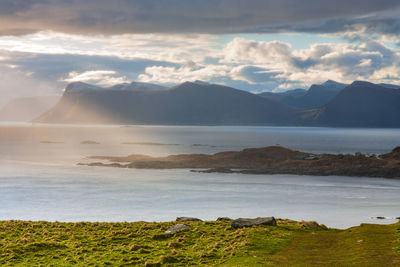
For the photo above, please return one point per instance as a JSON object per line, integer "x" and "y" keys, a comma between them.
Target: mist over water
{"x": 39, "y": 178}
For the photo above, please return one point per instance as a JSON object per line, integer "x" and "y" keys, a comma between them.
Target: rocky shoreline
{"x": 267, "y": 160}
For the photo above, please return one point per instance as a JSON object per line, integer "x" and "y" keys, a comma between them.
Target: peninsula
{"x": 267, "y": 160}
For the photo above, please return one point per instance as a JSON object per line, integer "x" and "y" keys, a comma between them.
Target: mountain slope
{"x": 284, "y": 97}
{"x": 187, "y": 103}
{"x": 316, "y": 96}
{"x": 27, "y": 108}
{"x": 362, "y": 104}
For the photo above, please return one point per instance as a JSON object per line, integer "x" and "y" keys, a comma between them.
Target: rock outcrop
{"x": 248, "y": 222}
{"x": 187, "y": 219}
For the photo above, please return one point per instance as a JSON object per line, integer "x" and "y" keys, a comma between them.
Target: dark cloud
{"x": 376, "y": 24}
{"x": 210, "y": 16}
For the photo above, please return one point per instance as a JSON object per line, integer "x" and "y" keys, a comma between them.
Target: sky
{"x": 253, "y": 45}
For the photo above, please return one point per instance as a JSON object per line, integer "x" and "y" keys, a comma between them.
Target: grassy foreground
{"x": 204, "y": 243}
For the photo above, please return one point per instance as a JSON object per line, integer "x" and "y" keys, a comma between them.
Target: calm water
{"x": 42, "y": 181}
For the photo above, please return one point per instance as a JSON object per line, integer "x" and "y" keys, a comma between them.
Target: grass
{"x": 290, "y": 243}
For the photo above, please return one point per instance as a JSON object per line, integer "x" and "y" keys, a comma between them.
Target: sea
{"x": 40, "y": 178}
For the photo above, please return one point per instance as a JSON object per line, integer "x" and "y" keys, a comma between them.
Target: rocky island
{"x": 267, "y": 160}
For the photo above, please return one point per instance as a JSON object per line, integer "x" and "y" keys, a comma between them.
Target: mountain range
{"x": 359, "y": 104}
{"x": 362, "y": 104}
{"x": 316, "y": 96}
{"x": 187, "y": 103}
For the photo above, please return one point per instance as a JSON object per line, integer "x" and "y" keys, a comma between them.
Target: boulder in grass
{"x": 176, "y": 228}
{"x": 224, "y": 219}
{"x": 248, "y": 222}
{"x": 313, "y": 225}
{"x": 188, "y": 219}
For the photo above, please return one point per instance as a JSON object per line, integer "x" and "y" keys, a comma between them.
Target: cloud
{"x": 103, "y": 78}
{"x": 277, "y": 65}
{"x": 254, "y": 75}
{"x": 187, "y": 72}
{"x": 28, "y": 74}
{"x": 265, "y": 61}
{"x": 201, "y": 16}
{"x": 55, "y": 67}
{"x": 157, "y": 47}
{"x": 390, "y": 73}
{"x": 242, "y": 50}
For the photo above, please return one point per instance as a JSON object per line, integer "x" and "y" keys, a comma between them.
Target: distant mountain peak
{"x": 186, "y": 83}
{"x": 329, "y": 85}
{"x": 143, "y": 86}
{"x": 333, "y": 83}
{"x": 79, "y": 87}
{"x": 75, "y": 87}
{"x": 359, "y": 82}
{"x": 329, "y": 82}
{"x": 190, "y": 85}
{"x": 201, "y": 82}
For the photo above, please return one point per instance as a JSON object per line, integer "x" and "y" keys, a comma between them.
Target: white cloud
{"x": 241, "y": 50}
{"x": 176, "y": 48}
{"x": 99, "y": 77}
{"x": 365, "y": 62}
{"x": 387, "y": 74}
{"x": 277, "y": 61}
{"x": 187, "y": 72}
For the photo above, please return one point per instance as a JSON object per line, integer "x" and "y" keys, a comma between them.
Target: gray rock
{"x": 247, "y": 222}
{"x": 188, "y": 219}
{"x": 177, "y": 228}
{"x": 224, "y": 219}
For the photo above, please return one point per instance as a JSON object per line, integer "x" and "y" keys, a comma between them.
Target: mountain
{"x": 185, "y": 104}
{"x": 316, "y": 96}
{"x": 136, "y": 86}
{"x": 133, "y": 86}
{"x": 27, "y": 108}
{"x": 284, "y": 96}
{"x": 362, "y": 104}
